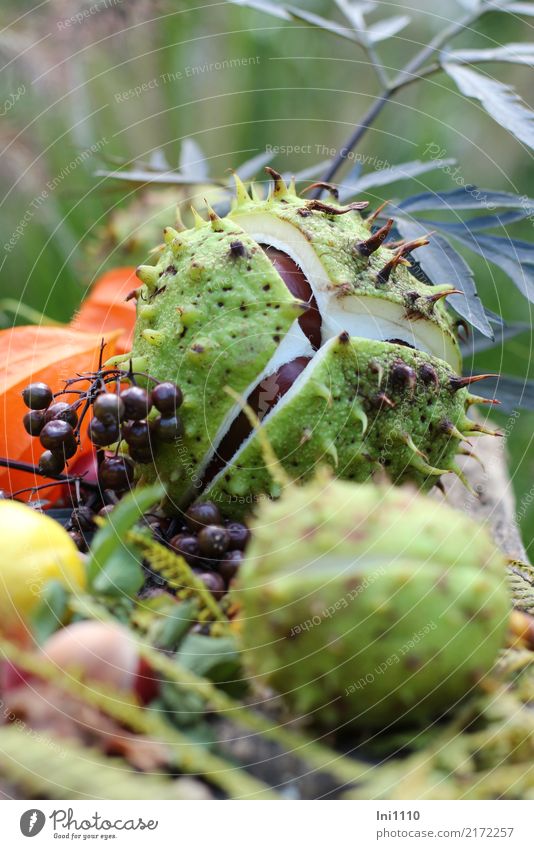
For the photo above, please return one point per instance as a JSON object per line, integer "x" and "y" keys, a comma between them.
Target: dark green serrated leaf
{"x": 519, "y": 53}
{"x": 405, "y": 171}
{"x": 501, "y": 101}
{"x": 466, "y": 197}
{"x": 513, "y": 392}
{"x": 508, "y": 255}
{"x": 193, "y": 163}
{"x": 478, "y": 343}
{"x": 444, "y": 265}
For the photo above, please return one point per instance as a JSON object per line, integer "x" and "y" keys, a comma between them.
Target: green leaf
{"x": 519, "y": 53}
{"x": 50, "y": 612}
{"x": 387, "y": 28}
{"x": 520, "y": 8}
{"x": 216, "y": 658}
{"x": 467, "y": 197}
{"x": 174, "y": 623}
{"x": 385, "y": 176}
{"x": 499, "y": 100}
{"x": 443, "y": 264}
{"x": 292, "y": 13}
{"x": 110, "y": 538}
{"x": 121, "y": 574}
{"x": 193, "y": 162}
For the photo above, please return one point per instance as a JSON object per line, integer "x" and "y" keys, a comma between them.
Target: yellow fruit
{"x": 33, "y": 550}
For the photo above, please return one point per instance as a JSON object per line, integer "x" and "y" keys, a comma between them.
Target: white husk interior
{"x": 363, "y": 316}
{"x": 305, "y": 375}
{"x": 294, "y": 344}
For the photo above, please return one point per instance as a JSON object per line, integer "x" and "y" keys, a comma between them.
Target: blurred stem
{"x": 31, "y": 315}
{"x": 414, "y": 71}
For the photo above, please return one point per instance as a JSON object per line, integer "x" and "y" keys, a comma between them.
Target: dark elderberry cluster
{"x": 213, "y": 547}
{"x": 123, "y": 415}
{"x": 56, "y": 425}
{"x": 117, "y": 415}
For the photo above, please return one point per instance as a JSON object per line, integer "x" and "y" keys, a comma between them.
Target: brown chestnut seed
{"x": 297, "y": 283}
{"x": 261, "y": 400}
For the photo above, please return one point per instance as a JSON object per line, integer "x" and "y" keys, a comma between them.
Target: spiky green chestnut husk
{"x": 382, "y": 390}
{"x": 367, "y": 605}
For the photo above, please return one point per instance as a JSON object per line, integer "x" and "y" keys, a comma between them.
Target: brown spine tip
{"x": 433, "y": 299}
{"x": 459, "y": 382}
{"x": 374, "y": 215}
{"x": 133, "y": 295}
{"x": 328, "y": 187}
{"x": 273, "y": 174}
{"x": 375, "y": 241}
{"x": 385, "y": 273}
{"x": 321, "y": 206}
{"x": 407, "y": 247}
{"x": 382, "y": 400}
{"x": 343, "y": 337}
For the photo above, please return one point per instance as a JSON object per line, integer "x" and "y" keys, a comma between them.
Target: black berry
{"x": 137, "y": 403}
{"x": 137, "y": 434}
{"x": 141, "y": 455}
{"x": 50, "y": 464}
{"x": 213, "y": 582}
{"x": 37, "y": 396}
{"x": 202, "y": 514}
{"x": 229, "y": 565}
{"x": 103, "y": 434}
{"x": 187, "y": 546}
{"x": 109, "y": 408}
{"x": 167, "y": 428}
{"x": 239, "y": 535}
{"x": 116, "y": 473}
{"x": 33, "y": 422}
{"x": 167, "y": 397}
{"x": 55, "y": 434}
{"x": 62, "y": 412}
{"x": 213, "y": 541}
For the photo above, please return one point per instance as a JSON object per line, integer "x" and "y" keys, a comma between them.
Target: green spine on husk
{"x": 365, "y": 605}
{"x": 361, "y": 410}
{"x": 214, "y": 312}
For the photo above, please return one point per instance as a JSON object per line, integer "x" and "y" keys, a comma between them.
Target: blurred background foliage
{"x": 69, "y": 106}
